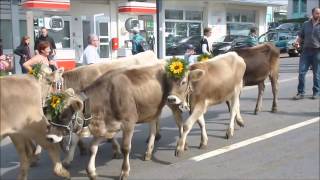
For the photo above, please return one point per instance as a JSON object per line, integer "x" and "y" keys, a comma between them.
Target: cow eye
{"x": 183, "y": 83}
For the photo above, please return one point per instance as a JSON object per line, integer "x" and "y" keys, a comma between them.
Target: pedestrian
{"x": 204, "y": 43}
{"x": 23, "y": 50}
{"x": 45, "y": 37}
{"x": 189, "y": 55}
{"x": 252, "y": 39}
{"x": 137, "y": 42}
{"x": 90, "y": 54}
{"x": 310, "y": 36}
{"x": 42, "y": 57}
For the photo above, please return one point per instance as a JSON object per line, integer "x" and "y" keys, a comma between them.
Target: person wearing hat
{"x": 189, "y": 55}
{"x": 137, "y": 41}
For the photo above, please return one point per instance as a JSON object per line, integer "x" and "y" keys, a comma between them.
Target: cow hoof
{"x": 34, "y": 161}
{"x": 147, "y": 157}
{"x": 178, "y": 153}
{"x": 92, "y": 175}
{"x": 123, "y": 176}
{"x": 274, "y": 110}
{"x": 229, "y": 134}
{"x": 240, "y": 123}
{"x": 203, "y": 146}
{"x": 116, "y": 155}
{"x": 158, "y": 137}
{"x": 255, "y": 112}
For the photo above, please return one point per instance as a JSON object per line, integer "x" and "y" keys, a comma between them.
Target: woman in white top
{"x": 42, "y": 57}
{"x": 205, "y": 49}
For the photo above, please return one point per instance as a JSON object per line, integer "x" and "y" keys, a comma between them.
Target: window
{"x": 61, "y": 38}
{"x": 193, "y": 15}
{"x": 241, "y": 16}
{"x": 174, "y": 14}
{"x": 295, "y": 6}
{"x": 303, "y": 6}
{"x": 6, "y": 33}
{"x": 182, "y": 28}
{"x": 23, "y": 28}
{"x": 239, "y": 22}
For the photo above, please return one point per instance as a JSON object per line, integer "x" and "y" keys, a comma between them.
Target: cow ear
{"x": 76, "y": 104}
{"x": 69, "y": 92}
{"x": 196, "y": 75}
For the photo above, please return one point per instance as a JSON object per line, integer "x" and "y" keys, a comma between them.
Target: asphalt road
{"x": 293, "y": 154}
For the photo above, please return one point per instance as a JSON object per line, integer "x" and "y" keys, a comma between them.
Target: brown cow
{"x": 21, "y": 114}
{"x": 122, "y": 98}
{"x": 82, "y": 77}
{"x": 262, "y": 61}
{"x": 208, "y": 83}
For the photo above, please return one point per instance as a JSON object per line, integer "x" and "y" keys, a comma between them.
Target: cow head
{"x": 68, "y": 119}
{"x": 182, "y": 89}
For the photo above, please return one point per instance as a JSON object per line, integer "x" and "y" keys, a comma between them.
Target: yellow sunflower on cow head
{"x": 204, "y": 57}
{"x": 55, "y": 103}
{"x": 176, "y": 67}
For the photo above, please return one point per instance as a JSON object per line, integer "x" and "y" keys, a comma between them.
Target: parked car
{"x": 279, "y": 38}
{"x": 179, "y": 48}
{"x": 223, "y": 44}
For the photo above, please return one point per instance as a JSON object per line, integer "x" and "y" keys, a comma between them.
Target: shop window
{"x": 194, "y": 15}
{"x": 174, "y": 14}
{"x": 6, "y": 33}
{"x": 23, "y": 28}
{"x": 61, "y": 38}
{"x": 242, "y": 29}
{"x": 236, "y": 17}
{"x": 229, "y": 17}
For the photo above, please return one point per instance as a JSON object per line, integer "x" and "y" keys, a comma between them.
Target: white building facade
{"x": 112, "y": 18}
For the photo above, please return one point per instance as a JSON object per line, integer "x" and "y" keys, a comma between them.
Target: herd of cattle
{"x": 123, "y": 92}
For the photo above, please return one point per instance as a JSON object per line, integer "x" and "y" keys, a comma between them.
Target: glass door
{"x": 101, "y": 28}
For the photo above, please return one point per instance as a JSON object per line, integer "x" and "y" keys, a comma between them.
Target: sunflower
{"x": 176, "y": 67}
{"x": 35, "y": 71}
{"x": 55, "y": 101}
{"x": 204, "y": 57}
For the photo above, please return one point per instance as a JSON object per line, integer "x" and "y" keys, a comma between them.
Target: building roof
{"x": 262, "y": 2}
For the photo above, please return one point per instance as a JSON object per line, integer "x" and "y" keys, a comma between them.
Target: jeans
{"x": 309, "y": 57}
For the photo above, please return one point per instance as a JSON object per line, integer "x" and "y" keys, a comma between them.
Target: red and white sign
{"x": 137, "y": 8}
{"x": 50, "y": 5}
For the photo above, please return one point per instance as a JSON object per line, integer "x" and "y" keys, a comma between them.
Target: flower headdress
{"x": 176, "y": 67}
{"x": 204, "y": 57}
{"x": 55, "y": 104}
{"x": 36, "y": 70}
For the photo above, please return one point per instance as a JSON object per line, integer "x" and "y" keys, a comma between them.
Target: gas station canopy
{"x": 137, "y": 8}
{"x": 50, "y": 5}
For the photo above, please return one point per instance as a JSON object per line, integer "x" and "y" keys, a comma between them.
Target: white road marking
{"x": 253, "y": 140}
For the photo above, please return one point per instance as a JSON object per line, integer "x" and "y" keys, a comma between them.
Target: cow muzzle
{"x": 172, "y": 99}
{"x": 52, "y": 138}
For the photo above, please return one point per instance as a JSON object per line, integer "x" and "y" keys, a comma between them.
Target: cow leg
{"x": 261, "y": 88}
{"x": 126, "y": 148}
{"x": 235, "y": 105}
{"x": 20, "y": 144}
{"x": 70, "y": 154}
{"x": 158, "y": 135}
{"x": 275, "y": 88}
{"x": 196, "y": 113}
{"x": 91, "y": 169}
{"x": 116, "y": 150}
{"x": 54, "y": 153}
{"x": 204, "y": 136}
{"x": 152, "y": 134}
{"x": 32, "y": 152}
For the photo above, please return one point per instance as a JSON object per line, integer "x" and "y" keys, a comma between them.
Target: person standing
{"x": 90, "y": 54}
{"x": 44, "y": 52}
{"x": 310, "y": 36}
{"x": 137, "y": 41}
{"x": 204, "y": 43}
{"x": 252, "y": 39}
{"x": 23, "y": 50}
{"x": 189, "y": 55}
{"x": 45, "y": 37}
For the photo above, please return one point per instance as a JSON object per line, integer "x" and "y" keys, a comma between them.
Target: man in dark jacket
{"x": 310, "y": 35}
{"x": 44, "y": 37}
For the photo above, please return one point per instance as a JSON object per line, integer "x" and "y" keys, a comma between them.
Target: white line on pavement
{"x": 253, "y": 140}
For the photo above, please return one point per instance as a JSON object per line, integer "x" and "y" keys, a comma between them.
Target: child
{"x": 189, "y": 55}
